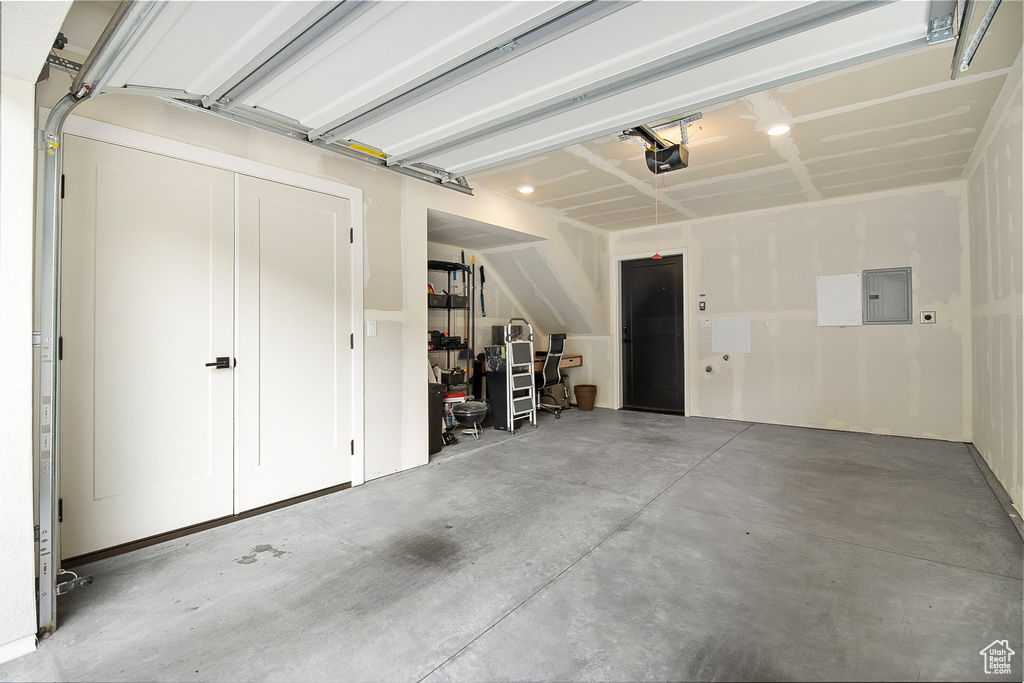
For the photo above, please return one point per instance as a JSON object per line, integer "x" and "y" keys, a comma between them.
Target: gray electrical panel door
{"x": 887, "y": 296}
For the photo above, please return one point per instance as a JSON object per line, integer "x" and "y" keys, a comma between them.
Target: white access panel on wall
{"x": 294, "y": 354}
{"x": 839, "y": 300}
{"x": 147, "y": 301}
{"x": 730, "y": 335}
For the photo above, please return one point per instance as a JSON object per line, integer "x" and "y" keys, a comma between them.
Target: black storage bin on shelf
{"x": 435, "y": 410}
{"x": 452, "y": 377}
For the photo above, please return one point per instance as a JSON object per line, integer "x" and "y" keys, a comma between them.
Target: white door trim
{"x": 146, "y": 142}
{"x": 616, "y": 281}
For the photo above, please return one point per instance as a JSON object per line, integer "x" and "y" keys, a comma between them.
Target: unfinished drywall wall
{"x": 500, "y": 303}
{"x": 17, "y": 562}
{"x": 887, "y": 379}
{"x": 997, "y": 254}
{"x": 558, "y": 282}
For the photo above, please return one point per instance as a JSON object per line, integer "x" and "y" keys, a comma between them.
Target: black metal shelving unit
{"x": 455, "y": 297}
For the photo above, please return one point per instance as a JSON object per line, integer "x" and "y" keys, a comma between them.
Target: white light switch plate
{"x": 770, "y": 321}
{"x": 371, "y": 328}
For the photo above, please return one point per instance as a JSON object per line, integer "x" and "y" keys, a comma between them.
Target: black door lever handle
{"x": 222, "y": 362}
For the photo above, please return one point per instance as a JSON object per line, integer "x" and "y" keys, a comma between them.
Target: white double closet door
{"x": 166, "y": 266}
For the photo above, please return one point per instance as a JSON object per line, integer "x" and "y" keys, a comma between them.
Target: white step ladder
{"x": 522, "y": 399}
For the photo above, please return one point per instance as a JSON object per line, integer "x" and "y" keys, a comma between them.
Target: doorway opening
{"x": 651, "y": 341}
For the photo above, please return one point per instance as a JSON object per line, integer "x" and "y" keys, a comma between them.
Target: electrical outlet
{"x": 770, "y": 321}
{"x": 927, "y": 317}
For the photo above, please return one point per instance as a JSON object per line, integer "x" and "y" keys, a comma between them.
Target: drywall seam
{"x": 727, "y": 177}
{"x": 558, "y": 268}
{"x": 925, "y": 90}
{"x": 864, "y": 132}
{"x": 579, "y": 278}
{"x": 549, "y": 181}
{"x": 768, "y": 112}
{"x": 495, "y": 278}
{"x": 546, "y": 214}
{"x": 596, "y": 191}
{"x": 966, "y": 327}
{"x": 997, "y": 114}
{"x": 928, "y": 157}
{"x": 905, "y": 174}
{"x": 948, "y": 186}
{"x": 568, "y": 272}
{"x": 603, "y": 165}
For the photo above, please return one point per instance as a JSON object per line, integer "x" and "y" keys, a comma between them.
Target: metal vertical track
{"x": 47, "y": 413}
{"x": 127, "y": 20}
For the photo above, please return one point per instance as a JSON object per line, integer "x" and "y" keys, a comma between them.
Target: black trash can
{"x": 497, "y": 399}
{"x": 435, "y": 411}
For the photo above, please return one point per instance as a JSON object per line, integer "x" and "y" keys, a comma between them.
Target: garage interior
{"x": 237, "y": 175}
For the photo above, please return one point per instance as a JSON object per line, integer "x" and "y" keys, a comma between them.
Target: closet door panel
{"x": 295, "y": 362}
{"x": 147, "y": 300}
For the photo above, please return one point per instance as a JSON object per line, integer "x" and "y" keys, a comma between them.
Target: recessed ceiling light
{"x": 778, "y": 130}
{"x": 526, "y": 189}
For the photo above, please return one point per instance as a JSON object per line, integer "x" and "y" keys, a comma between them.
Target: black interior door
{"x": 652, "y": 334}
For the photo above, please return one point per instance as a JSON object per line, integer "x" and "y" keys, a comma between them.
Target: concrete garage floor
{"x": 602, "y": 546}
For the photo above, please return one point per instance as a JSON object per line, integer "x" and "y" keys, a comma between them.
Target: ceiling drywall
{"x": 26, "y": 34}
{"x": 893, "y": 122}
{"x": 445, "y": 228}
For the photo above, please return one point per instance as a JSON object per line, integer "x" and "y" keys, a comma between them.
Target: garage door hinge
{"x": 353, "y": 443}
{"x": 37, "y": 533}
{"x": 352, "y": 341}
{"x": 62, "y": 186}
{"x": 351, "y": 235}
{"x": 60, "y": 510}
{"x": 60, "y": 348}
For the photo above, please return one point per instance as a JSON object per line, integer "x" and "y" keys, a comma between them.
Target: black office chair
{"x": 549, "y": 375}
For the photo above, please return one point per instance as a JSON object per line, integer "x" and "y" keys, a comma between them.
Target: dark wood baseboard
{"x": 196, "y": 528}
